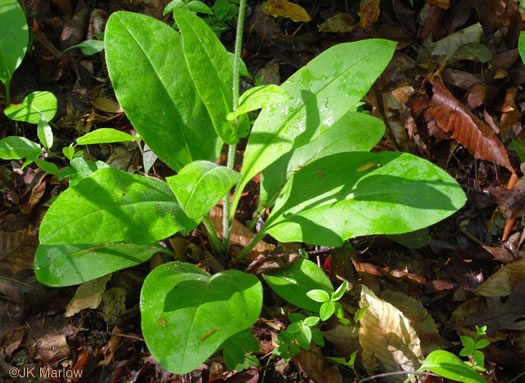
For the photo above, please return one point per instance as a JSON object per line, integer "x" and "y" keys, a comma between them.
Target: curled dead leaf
{"x": 368, "y": 13}
{"x": 452, "y": 117}
{"x": 502, "y": 282}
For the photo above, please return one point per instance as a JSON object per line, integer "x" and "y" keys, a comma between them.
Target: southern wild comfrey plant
{"x": 180, "y": 91}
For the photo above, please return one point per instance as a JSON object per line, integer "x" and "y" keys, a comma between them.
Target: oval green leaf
{"x": 186, "y": 314}
{"x": 293, "y": 283}
{"x": 152, "y": 84}
{"x": 114, "y": 206}
{"x": 66, "y": 265}
{"x": 451, "y": 367}
{"x": 211, "y": 69}
{"x": 45, "y": 133}
{"x": 351, "y": 133}
{"x": 351, "y": 194}
{"x": 105, "y": 136}
{"x": 200, "y": 185}
{"x": 322, "y": 92}
{"x": 35, "y": 106}
{"x": 16, "y": 148}
{"x": 13, "y": 43}
{"x": 259, "y": 97}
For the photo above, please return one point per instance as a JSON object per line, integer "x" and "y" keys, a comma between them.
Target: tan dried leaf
{"x": 443, "y": 4}
{"x": 386, "y": 334}
{"x": 284, "y": 8}
{"x": 339, "y": 23}
{"x": 501, "y": 283}
{"x": 87, "y": 296}
{"x": 107, "y": 105}
{"x": 316, "y": 367}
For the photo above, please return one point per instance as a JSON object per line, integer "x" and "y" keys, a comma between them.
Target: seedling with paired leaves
{"x": 318, "y": 178}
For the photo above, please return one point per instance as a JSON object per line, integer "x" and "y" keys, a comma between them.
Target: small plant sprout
{"x": 471, "y": 348}
{"x": 329, "y": 301}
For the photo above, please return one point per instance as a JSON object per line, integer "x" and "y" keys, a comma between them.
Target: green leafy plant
{"x": 299, "y": 334}
{"x": 309, "y": 143}
{"x": 451, "y": 367}
{"x": 37, "y": 108}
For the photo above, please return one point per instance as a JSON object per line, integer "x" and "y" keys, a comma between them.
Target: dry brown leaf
{"x": 284, "y": 8}
{"x": 53, "y": 347}
{"x": 344, "y": 338}
{"x": 443, "y": 4}
{"x": 240, "y": 235}
{"x": 316, "y": 367}
{"x": 107, "y": 105}
{"x": 112, "y": 346}
{"x": 340, "y": 23}
{"x": 87, "y": 296}
{"x": 17, "y": 250}
{"x": 368, "y": 13}
{"x": 502, "y": 282}
{"x": 501, "y": 314}
{"x": 386, "y": 334}
{"x": 12, "y": 339}
{"x": 452, "y": 117}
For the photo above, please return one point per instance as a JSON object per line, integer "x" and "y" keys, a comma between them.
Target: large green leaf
{"x": 66, "y": 265}
{"x": 152, "y": 84}
{"x": 114, "y": 206}
{"x": 211, "y": 68}
{"x": 188, "y": 314}
{"x": 351, "y": 194}
{"x": 200, "y": 185}
{"x": 16, "y": 148}
{"x": 521, "y": 46}
{"x": 451, "y": 367}
{"x": 13, "y": 38}
{"x": 352, "y": 132}
{"x": 35, "y": 107}
{"x": 295, "y": 281}
{"x": 322, "y": 92}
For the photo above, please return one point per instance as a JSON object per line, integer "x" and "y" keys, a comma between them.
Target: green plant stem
{"x": 260, "y": 235}
{"x": 7, "y": 92}
{"x": 383, "y": 375}
{"x": 212, "y": 234}
{"x": 226, "y": 220}
{"x": 229, "y": 210}
{"x": 254, "y": 220}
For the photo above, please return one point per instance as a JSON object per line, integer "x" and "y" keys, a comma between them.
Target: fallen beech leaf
{"x": 503, "y": 281}
{"x": 240, "y": 235}
{"x": 452, "y": 117}
{"x": 420, "y": 319}
{"x": 387, "y": 334}
{"x": 284, "y": 8}
{"x": 368, "y": 13}
{"x": 87, "y": 296}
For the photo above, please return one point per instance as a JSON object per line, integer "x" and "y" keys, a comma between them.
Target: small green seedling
{"x": 299, "y": 334}
{"x": 451, "y": 367}
{"x": 471, "y": 348}
{"x": 329, "y": 301}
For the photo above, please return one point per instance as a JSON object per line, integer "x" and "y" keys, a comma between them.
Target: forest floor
{"x": 453, "y": 94}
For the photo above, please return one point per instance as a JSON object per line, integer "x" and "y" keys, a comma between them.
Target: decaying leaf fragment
{"x": 368, "y": 13}
{"x": 467, "y": 129}
{"x": 87, "y": 296}
{"x": 386, "y": 334}
{"x": 284, "y": 8}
